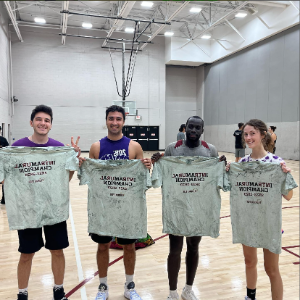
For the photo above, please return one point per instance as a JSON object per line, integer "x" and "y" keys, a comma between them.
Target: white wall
{"x": 4, "y": 71}
{"x": 77, "y": 81}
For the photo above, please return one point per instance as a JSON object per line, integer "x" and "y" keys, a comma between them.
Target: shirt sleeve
{"x": 223, "y": 180}
{"x": 288, "y": 184}
{"x": 72, "y": 163}
{"x": 168, "y": 151}
{"x": 213, "y": 151}
{"x": 83, "y": 173}
{"x": 156, "y": 175}
{"x": 1, "y": 168}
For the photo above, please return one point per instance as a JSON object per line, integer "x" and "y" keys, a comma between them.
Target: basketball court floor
{"x": 220, "y": 273}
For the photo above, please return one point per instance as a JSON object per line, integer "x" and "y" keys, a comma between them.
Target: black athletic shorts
{"x": 31, "y": 240}
{"x": 101, "y": 239}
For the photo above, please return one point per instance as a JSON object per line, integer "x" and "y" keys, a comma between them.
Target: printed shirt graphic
{"x": 114, "y": 150}
{"x": 116, "y": 197}
{"x": 191, "y": 194}
{"x": 256, "y": 203}
{"x": 36, "y": 184}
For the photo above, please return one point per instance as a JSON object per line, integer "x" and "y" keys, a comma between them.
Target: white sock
{"x": 23, "y": 291}
{"x": 103, "y": 280}
{"x": 58, "y": 286}
{"x": 174, "y": 294}
{"x": 188, "y": 287}
{"x": 129, "y": 278}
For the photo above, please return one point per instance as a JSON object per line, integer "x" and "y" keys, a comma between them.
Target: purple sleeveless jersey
{"x": 26, "y": 142}
{"x": 114, "y": 149}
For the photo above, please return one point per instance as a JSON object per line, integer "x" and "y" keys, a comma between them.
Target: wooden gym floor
{"x": 220, "y": 273}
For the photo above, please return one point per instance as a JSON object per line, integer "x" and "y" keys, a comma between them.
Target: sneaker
{"x": 102, "y": 293}
{"x": 22, "y": 296}
{"x": 172, "y": 298}
{"x": 130, "y": 292}
{"x": 247, "y": 298}
{"x": 59, "y": 294}
{"x": 188, "y": 295}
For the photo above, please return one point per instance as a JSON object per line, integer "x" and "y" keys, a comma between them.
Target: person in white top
{"x": 255, "y": 135}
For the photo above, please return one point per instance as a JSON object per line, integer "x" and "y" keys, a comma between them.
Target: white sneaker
{"x": 173, "y": 298}
{"x": 130, "y": 292}
{"x": 247, "y": 298}
{"x": 188, "y": 295}
{"x": 102, "y": 293}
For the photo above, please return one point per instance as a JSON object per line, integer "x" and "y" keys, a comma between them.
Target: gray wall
{"x": 260, "y": 82}
{"x": 181, "y": 93}
{"x": 77, "y": 81}
{"x": 4, "y": 71}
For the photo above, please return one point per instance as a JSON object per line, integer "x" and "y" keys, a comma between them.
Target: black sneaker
{"x": 59, "y": 294}
{"x": 22, "y": 296}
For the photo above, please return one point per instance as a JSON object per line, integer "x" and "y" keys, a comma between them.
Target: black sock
{"x": 251, "y": 294}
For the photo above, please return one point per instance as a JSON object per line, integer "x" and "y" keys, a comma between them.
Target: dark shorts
{"x": 239, "y": 152}
{"x": 101, "y": 239}
{"x": 31, "y": 240}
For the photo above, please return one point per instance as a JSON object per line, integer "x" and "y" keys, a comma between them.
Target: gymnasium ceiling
{"x": 216, "y": 18}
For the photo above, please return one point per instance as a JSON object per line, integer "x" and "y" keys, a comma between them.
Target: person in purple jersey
{"x": 31, "y": 240}
{"x": 116, "y": 146}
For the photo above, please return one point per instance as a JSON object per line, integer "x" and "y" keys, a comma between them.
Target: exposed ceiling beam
{"x": 13, "y": 19}
{"x": 235, "y": 29}
{"x": 178, "y": 10}
{"x": 269, "y": 3}
{"x": 294, "y": 5}
{"x": 124, "y": 12}
{"x": 224, "y": 18}
{"x": 65, "y": 7}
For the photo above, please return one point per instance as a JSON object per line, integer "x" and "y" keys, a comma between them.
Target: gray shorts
{"x": 239, "y": 152}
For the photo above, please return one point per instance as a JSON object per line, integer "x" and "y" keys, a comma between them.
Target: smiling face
{"x": 41, "y": 124}
{"x": 194, "y": 129}
{"x": 252, "y": 137}
{"x": 115, "y": 123}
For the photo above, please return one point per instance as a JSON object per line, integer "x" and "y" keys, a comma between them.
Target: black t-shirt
{"x": 3, "y": 142}
{"x": 238, "y": 139}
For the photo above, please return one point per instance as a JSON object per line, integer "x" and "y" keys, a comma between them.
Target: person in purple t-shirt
{"x": 116, "y": 146}
{"x": 31, "y": 240}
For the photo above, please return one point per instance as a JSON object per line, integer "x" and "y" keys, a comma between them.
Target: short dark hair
{"x": 182, "y": 126}
{"x": 273, "y": 128}
{"x": 195, "y": 117}
{"x": 114, "y": 108}
{"x": 240, "y": 125}
{"x": 42, "y": 108}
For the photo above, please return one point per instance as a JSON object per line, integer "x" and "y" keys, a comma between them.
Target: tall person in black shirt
{"x": 239, "y": 147}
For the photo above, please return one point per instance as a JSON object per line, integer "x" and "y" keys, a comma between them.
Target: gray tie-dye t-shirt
{"x": 36, "y": 184}
{"x": 191, "y": 194}
{"x": 256, "y": 203}
{"x": 116, "y": 197}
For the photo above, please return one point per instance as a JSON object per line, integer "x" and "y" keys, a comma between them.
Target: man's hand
{"x": 75, "y": 145}
{"x": 223, "y": 158}
{"x": 81, "y": 160}
{"x": 146, "y": 162}
{"x": 156, "y": 156}
{"x": 227, "y": 167}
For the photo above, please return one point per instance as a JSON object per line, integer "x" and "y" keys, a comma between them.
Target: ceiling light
{"x": 87, "y": 25}
{"x": 241, "y": 15}
{"x": 39, "y": 20}
{"x": 206, "y": 37}
{"x": 169, "y": 33}
{"x": 147, "y": 3}
{"x": 195, "y": 9}
{"x": 129, "y": 29}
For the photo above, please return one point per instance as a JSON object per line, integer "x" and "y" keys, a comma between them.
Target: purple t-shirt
{"x": 26, "y": 142}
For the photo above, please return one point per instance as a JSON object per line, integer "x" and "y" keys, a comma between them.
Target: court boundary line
{"x": 83, "y": 282}
{"x": 77, "y": 255}
{"x": 291, "y": 252}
